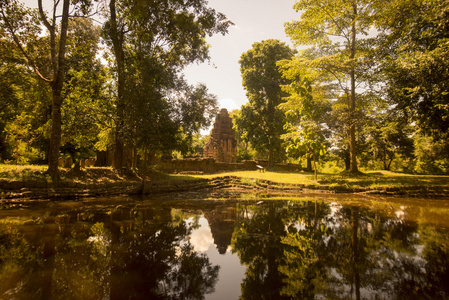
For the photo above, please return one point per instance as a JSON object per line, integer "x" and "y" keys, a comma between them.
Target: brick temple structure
{"x": 222, "y": 145}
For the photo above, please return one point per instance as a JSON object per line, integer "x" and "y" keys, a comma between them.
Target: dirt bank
{"x": 11, "y": 190}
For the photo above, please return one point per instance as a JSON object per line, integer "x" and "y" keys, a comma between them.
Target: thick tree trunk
{"x": 309, "y": 164}
{"x": 347, "y": 160}
{"x": 58, "y": 61}
{"x": 117, "y": 41}
{"x": 50, "y": 231}
{"x": 55, "y": 136}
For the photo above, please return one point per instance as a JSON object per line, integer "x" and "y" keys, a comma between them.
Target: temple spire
{"x": 222, "y": 145}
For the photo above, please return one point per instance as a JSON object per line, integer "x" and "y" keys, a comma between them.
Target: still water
{"x": 331, "y": 247}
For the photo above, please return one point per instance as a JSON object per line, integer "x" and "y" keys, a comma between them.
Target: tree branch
{"x": 22, "y": 50}
{"x": 43, "y": 17}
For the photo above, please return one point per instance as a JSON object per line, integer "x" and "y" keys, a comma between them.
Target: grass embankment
{"x": 108, "y": 175}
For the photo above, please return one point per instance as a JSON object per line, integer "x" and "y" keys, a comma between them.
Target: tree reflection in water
{"x": 308, "y": 250}
{"x": 125, "y": 254}
{"x": 257, "y": 241}
{"x": 300, "y": 249}
{"x": 156, "y": 261}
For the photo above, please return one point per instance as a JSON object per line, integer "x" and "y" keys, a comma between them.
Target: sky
{"x": 255, "y": 21}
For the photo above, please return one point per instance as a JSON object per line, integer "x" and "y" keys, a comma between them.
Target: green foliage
{"x": 197, "y": 108}
{"x": 23, "y": 114}
{"x": 244, "y": 149}
{"x": 155, "y": 108}
{"x": 413, "y": 55}
{"x": 331, "y": 166}
{"x": 45, "y": 55}
{"x": 19, "y": 105}
{"x": 307, "y": 111}
{"x": 414, "y": 58}
{"x": 384, "y": 136}
{"x": 386, "y": 90}
{"x": 261, "y": 119}
{"x": 431, "y": 156}
{"x": 17, "y": 137}
{"x": 337, "y": 30}
{"x": 86, "y": 100}
{"x": 151, "y": 43}
{"x": 16, "y": 251}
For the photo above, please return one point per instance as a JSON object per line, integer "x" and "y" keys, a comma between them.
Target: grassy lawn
{"x": 367, "y": 179}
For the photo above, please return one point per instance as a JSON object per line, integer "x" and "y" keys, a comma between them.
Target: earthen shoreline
{"x": 39, "y": 190}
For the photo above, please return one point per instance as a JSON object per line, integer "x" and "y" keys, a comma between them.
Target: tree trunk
{"x": 388, "y": 164}
{"x": 309, "y": 164}
{"x": 55, "y": 136}
{"x": 50, "y": 231}
{"x": 117, "y": 41}
{"x": 135, "y": 158}
{"x": 145, "y": 158}
{"x": 270, "y": 158}
{"x": 347, "y": 160}
{"x": 57, "y": 83}
{"x": 355, "y": 251}
{"x": 353, "y": 167}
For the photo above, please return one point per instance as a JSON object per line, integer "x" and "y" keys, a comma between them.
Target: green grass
{"x": 367, "y": 179}
{"x": 281, "y": 177}
{"x": 15, "y": 172}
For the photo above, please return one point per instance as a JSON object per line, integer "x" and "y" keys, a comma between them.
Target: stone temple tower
{"x": 222, "y": 145}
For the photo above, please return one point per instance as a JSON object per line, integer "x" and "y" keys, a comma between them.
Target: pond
{"x": 315, "y": 247}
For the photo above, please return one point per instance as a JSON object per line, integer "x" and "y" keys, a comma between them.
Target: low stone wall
{"x": 204, "y": 165}
{"x": 209, "y": 166}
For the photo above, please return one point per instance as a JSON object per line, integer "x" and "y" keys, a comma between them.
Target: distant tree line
{"x": 69, "y": 84}
{"x": 368, "y": 87}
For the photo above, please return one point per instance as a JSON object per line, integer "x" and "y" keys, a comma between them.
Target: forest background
{"x": 365, "y": 86}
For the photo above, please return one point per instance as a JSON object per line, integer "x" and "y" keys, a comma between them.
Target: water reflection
{"x": 296, "y": 249}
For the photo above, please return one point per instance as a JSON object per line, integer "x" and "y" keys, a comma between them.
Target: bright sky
{"x": 255, "y": 21}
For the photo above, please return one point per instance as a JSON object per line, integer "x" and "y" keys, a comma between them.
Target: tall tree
{"x": 415, "y": 56}
{"x": 262, "y": 119}
{"x": 116, "y": 33}
{"x": 307, "y": 109}
{"x": 167, "y": 34}
{"x": 16, "y": 20}
{"x": 84, "y": 93}
{"x": 336, "y": 29}
{"x": 197, "y": 108}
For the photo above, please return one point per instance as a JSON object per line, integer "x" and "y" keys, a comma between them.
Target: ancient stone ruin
{"x": 222, "y": 145}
